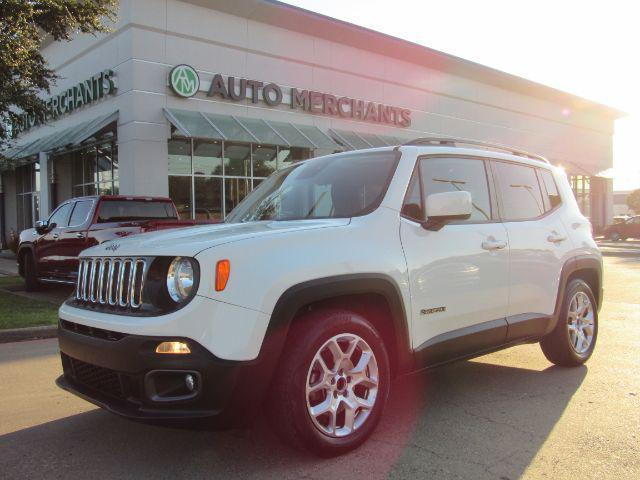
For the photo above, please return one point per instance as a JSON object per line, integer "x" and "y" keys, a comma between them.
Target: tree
{"x": 25, "y": 77}
{"x": 633, "y": 201}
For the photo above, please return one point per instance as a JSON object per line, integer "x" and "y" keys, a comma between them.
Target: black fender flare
{"x": 300, "y": 295}
{"x": 575, "y": 264}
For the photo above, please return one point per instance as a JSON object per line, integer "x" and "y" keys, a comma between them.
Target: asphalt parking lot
{"x": 503, "y": 416}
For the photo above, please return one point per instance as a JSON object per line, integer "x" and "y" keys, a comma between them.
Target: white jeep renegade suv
{"x": 333, "y": 276}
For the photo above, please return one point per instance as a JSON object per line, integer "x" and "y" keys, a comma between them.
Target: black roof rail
{"x": 455, "y": 142}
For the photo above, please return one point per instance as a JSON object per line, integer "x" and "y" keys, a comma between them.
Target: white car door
{"x": 539, "y": 244}
{"x": 458, "y": 276}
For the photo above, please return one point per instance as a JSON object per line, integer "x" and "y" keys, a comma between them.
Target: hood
{"x": 188, "y": 242}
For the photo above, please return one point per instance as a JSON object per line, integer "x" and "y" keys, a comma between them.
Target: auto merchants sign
{"x": 83, "y": 93}
{"x": 185, "y": 81}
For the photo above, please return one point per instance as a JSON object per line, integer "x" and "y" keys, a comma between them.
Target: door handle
{"x": 56, "y": 235}
{"x": 555, "y": 237}
{"x": 493, "y": 244}
{"x": 80, "y": 235}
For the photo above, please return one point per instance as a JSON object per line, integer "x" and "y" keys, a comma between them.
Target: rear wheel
{"x": 614, "y": 236}
{"x": 572, "y": 341}
{"x": 31, "y": 283}
{"x": 332, "y": 383}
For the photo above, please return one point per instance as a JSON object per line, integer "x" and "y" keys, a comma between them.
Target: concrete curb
{"x": 30, "y": 333}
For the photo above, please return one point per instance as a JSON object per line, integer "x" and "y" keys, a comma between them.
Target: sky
{"x": 585, "y": 47}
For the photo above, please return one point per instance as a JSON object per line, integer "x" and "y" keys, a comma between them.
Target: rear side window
{"x": 80, "y": 212}
{"x": 458, "y": 174}
{"x": 519, "y": 191}
{"x": 61, "y": 216}
{"x": 551, "y": 189}
{"x": 132, "y": 210}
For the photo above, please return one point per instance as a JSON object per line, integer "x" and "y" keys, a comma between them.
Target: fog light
{"x": 190, "y": 382}
{"x": 175, "y": 348}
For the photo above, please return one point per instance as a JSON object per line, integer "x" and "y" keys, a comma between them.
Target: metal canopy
{"x": 358, "y": 140}
{"x": 70, "y": 136}
{"x": 248, "y": 130}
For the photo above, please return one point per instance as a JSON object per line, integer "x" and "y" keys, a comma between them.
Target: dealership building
{"x": 201, "y": 100}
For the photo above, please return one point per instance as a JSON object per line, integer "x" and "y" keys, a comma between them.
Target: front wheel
{"x": 614, "y": 236}
{"x": 572, "y": 341}
{"x": 332, "y": 383}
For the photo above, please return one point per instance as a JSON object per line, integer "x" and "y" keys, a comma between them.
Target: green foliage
{"x": 633, "y": 201}
{"x": 24, "y": 26}
{"x": 19, "y": 312}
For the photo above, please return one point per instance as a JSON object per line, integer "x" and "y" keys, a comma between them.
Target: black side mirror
{"x": 42, "y": 226}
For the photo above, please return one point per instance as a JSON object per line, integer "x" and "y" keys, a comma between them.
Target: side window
{"x": 80, "y": 213}
{"x": 412, "y": 206}
{"x": 520, "y": 191}
{"x": 551, "y": 188}
{"x": 61, "y": 216}
{"x": 458, "y": 174}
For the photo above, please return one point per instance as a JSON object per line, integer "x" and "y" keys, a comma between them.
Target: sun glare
{"x": 580, "y": 47}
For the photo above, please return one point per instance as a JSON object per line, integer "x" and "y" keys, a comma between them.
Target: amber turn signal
{"x": 223, "y": 270}
{"x": 175, "y": 348}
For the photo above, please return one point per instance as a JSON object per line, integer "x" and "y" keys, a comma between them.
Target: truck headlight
{"x": 181, "y": 277}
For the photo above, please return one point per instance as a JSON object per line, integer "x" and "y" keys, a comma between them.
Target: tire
{"x": 290, "y": 405}
{"x": 562, "y": 346}
{"x": 31, "y": 283}
{"x": 614, "y": 236}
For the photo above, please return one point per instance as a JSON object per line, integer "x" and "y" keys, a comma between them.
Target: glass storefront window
{"x": 27, "y": 195}
{"x": 581, "y": 186}
{"x": 237, "y": 159}
{"x": 180, "y": 156}
{"x": 235, "y": 189}
{"x": 264, "y": 160}
{"x": 93, "y": 169}
{"x": 208, "y": 178}
{"x": 208, "y": 198}
{"x": 288, "y": 156}
{"x": 207, "y": 157}
{"x": 180, "y": 193}
{"x": 89, "y": 170}
{"x": 105, "y": 173}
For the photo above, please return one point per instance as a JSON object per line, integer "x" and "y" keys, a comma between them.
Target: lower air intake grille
{"x": 103, "y": 380}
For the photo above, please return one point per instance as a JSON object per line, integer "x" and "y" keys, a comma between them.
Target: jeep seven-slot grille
{"x": 117, "y": 282}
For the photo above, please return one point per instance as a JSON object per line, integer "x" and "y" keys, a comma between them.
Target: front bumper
{"x": 109, "y": 369}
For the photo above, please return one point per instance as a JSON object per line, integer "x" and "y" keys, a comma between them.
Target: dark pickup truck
{"x": 49, "y": 252}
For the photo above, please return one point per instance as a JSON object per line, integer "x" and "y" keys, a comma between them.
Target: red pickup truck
{"x": 49, "y": 252}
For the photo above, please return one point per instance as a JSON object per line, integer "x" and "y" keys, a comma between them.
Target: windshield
{"x": 336, "y": 186}
{"x": 131, "y": 210}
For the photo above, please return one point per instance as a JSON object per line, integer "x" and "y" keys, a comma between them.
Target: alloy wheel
{"x": 580, "y": 323}
{"x": 342, "y": 385}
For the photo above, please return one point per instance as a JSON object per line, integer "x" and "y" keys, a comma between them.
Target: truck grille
{"x": 117, "y": 282}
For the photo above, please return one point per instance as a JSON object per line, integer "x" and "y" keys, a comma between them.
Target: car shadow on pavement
{"x": 466, "y": 420}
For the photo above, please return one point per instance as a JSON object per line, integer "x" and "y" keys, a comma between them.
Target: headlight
{"x": 180, "y": 279}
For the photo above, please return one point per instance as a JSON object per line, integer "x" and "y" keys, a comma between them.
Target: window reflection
{"x": 208, "y": 178}
{"x": 237, "y": 159}
{"x": 207, "y": 157}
